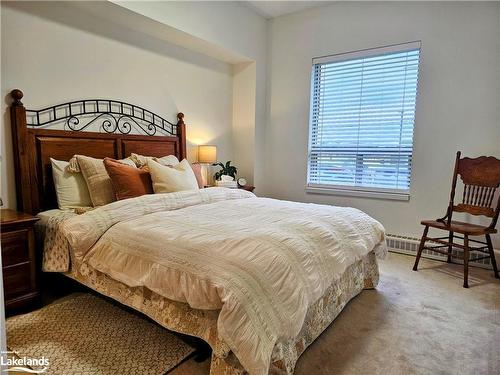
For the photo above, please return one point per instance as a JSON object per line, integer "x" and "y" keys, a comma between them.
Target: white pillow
{"x": 170, "y": 179}
{"x": 141, "y": 160}
{"x": 71, "y": 188}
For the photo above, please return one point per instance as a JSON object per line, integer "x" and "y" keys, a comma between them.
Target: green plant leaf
{"x": 227, "y": 169}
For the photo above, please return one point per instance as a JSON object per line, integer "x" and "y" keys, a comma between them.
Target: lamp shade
{"x": 207, "y": 154}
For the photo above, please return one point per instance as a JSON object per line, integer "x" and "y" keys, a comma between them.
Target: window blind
{"x": 362, "y": 117}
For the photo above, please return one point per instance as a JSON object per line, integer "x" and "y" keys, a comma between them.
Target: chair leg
{"x": 421, "y": 247}
{"x": 466, "y": 261}
{"x": 492, "y": 255}
{"x": 450, "y": 247}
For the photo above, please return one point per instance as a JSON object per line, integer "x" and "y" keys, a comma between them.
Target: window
{"x": 362, "y": 117}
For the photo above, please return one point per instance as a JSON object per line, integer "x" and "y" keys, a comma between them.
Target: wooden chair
{"x": 481, "y": 178}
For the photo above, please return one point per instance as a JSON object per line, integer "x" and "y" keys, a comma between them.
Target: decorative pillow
{"x": 196, "y": 167}
{"x": 142, "y": 161}
{"x": 170, "y": 179}
{"x": 75, "y": 167}
{"x": 71, "y": 189}
{"x": 97, "y": 179}
{"x": 127, "y": 181}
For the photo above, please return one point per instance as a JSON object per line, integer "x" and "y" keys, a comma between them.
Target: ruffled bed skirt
{"x": 179, "y": 317}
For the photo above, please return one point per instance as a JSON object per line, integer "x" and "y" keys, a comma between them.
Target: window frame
{"x": 361, "y": 191}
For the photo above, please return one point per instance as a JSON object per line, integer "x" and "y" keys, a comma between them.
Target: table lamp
{"x": 207, "y": 155}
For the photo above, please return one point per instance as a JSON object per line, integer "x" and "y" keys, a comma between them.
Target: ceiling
{"x": 271, "y": 9}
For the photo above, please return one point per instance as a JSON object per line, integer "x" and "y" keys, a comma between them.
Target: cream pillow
{"x": 71, "y": 189}
{"x": 170, "y": 179}
{"x": 141, "y": 160}
{"x": 97, "y": 179}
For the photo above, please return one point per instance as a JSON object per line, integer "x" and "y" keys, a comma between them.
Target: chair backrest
{"x": 481, "y": 179}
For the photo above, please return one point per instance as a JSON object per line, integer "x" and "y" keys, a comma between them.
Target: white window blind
{"x": 362, "y": 117}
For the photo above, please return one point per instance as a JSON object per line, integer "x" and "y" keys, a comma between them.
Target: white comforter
{"x": 263, "y": 262}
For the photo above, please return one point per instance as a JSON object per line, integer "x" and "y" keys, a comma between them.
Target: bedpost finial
{"x": 17, "y": 95}
{"x": 180, "y": 117}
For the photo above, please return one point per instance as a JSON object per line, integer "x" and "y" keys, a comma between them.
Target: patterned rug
{"x": 84, "y": 334}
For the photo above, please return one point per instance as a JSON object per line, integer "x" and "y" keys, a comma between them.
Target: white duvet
{"x": 262, "y": 262}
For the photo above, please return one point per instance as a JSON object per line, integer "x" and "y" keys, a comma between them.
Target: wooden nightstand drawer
{"x": 18, "y": 259}
{"x": 15, "y": 247}
{"x": 17, "y": 280}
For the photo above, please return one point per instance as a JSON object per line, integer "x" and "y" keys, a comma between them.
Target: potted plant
{"x": 227, "y": 170}
{"x": 226, "y": 176}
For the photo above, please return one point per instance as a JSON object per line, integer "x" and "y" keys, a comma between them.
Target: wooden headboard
{"x": 98, "y": 128}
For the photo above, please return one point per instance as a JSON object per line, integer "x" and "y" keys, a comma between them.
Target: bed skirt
{"x": 179, "y": 317}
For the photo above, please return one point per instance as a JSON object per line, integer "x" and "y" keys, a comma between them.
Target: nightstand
{"x": 18, "y": 258}
{"x": 247, "y": 188}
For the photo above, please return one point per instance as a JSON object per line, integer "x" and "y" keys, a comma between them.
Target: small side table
{"x": 18, "y": 259}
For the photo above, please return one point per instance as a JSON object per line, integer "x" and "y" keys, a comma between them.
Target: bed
{"x": 258, "y": 279}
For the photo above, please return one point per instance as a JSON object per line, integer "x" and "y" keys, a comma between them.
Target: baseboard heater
{"x": 409, "y": 246}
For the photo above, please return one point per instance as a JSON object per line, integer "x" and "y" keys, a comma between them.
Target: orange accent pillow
{"x": 197, "y": 173}
{"x": 127, "y": 181}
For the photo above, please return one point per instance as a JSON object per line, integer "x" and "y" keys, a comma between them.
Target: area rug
{"x": 85, "y": 334}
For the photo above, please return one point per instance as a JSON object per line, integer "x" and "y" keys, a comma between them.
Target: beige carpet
{"x": 84, "y": 334}
{"x": 414, "y": 323}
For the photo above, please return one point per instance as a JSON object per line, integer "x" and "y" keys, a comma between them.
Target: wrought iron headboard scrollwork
{"x": 114, "y": 116}
{"x": 94, "y": 127}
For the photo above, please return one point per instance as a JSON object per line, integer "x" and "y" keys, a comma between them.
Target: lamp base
{"x": 207, "y": 178}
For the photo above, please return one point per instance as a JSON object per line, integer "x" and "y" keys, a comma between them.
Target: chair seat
{"x": 460, "y": 227}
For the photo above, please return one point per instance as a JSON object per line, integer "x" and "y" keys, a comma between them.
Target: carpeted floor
{"x": 414, "y": 323}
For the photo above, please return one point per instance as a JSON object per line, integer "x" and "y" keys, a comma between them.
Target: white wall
{"x": 458, "y": 105}
{"x": 53, "y": 62}
{"x": 244, "y": 104}
{"x": 234, "y": 27}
